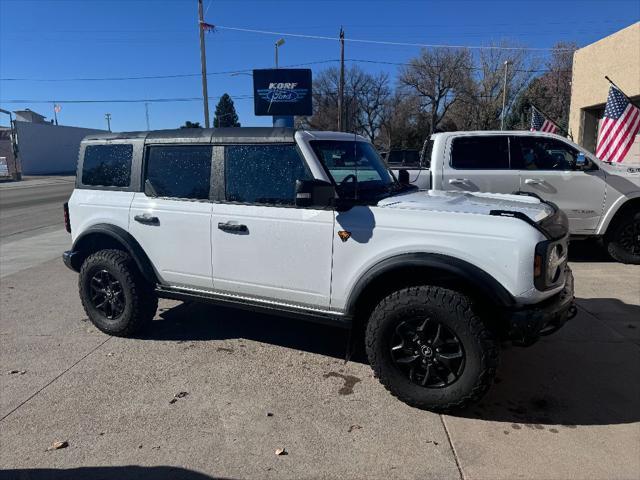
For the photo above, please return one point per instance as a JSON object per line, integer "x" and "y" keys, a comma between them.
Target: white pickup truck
{"x": 600, "y": 199}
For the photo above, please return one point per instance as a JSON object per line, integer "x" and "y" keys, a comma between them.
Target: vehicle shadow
{"x": 198, "y": 321}
{"x": 126, "y": 472}
{"x": 582, "y": 375}
{"x": 588, "y": 250}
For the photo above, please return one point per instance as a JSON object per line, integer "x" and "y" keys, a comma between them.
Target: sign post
{"x": 282, "y": 93}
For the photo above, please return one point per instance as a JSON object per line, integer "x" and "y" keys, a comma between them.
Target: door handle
{"x": 533, "y": 181}
{"x": 232, "y": 227}
{"x": 458, "y": 181}
{"x": 147, "y": 219}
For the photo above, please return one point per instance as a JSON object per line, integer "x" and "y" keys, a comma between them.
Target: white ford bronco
{"x": 600, "y": 199}
{"x": 312, "y": 224}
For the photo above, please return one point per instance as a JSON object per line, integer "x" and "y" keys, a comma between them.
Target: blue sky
{"x": 67, "y": 39}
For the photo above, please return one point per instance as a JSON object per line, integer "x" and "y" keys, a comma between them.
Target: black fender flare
{"x": 486, "y": 285}
{"x": 125, "y": 239}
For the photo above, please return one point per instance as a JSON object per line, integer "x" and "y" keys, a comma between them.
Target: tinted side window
{"x": 182, "y": 171}
{"x": 480, "y": 153}
{"x": 263, "y": 173}
{"x": 539, "y": 153}
{"x": 107, "y": 165}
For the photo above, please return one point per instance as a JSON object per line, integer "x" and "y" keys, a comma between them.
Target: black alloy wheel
{"x": 106, "y": 294}
{"x": 117, "y": 299}
{"x": 622, "y": 240}
{"x": 427, "y": 352}
{"x": 629, "y": 237}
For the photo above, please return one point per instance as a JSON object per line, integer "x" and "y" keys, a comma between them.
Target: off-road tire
{"x": 454, "y": 311}
{"x": 140, "y": 301}
{"x": 614, "y": 238}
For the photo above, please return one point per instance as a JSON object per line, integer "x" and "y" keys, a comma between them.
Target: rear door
{"x": 171, "y": 219}
{"x": 265, "y": 247}
{"x": 479, "y": 164}
{"x": 547, "y": 167}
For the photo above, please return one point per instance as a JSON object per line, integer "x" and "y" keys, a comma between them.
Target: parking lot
{"x": 212, "y": 392}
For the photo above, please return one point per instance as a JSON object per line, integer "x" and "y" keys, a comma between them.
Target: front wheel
{"x": 430, "y": 350}
{"x": 623, "y": 242}
{"x": 115, "y": 296}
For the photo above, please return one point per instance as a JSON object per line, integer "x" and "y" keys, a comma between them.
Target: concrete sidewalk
{"x": 567, "y": 407}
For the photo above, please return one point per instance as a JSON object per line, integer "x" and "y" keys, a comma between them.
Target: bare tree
{"x": 557, "y": 81}
{"x": 550, "y": 92}
{"x": 480, "y": 106}
{"x": 405, "y": 124}
{"x": 366, "y": 97}
{"x": 438, "y": 76}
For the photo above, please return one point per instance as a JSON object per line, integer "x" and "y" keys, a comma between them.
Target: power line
{"x": 247, "y": 70}
{"x": 153, "y": 77}
{"x": 128, "y": 100}
{"x": 386, "y": 42}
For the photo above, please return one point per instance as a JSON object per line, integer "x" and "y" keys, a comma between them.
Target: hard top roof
{"x": 203, "y": 135}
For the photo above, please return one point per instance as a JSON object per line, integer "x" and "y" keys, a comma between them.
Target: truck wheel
{"x": 429, "y": 349}
{"x": 115, "y": 296}
{"x": 623, "y": 242}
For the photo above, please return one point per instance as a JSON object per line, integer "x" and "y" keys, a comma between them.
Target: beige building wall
{"x": 618, "y": 57}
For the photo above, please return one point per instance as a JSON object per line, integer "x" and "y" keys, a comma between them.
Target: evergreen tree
{"x": 226, "y": 115}
{"x": 189, "y": 124}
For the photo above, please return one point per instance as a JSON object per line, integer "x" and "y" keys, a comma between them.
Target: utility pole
{"x": 203, "y": 62}
{"x": 55, "y": 112}
{"x": 146, "y": 112}
{"x": 341, "y": 85}
{"x": 107, "y": 116}
{"x": 504, "y": 94}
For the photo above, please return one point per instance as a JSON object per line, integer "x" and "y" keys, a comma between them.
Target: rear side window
{"x": 263, "y": 173}
{"x": 182, "y": 171}
{"x": 480, "y": 153}
{"x": 107, "y": 165}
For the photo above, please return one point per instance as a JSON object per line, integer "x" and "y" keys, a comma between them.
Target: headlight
{"x": 549, "y": 264}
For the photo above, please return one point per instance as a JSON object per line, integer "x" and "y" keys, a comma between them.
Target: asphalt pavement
{"x": 211, "y": 392}
{"x": 32, "y": 222}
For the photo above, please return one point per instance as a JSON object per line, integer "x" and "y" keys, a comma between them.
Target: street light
{"x": 279, "y": 43}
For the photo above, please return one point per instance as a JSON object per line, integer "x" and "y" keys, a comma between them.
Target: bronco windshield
{"x": 356, "y": 168}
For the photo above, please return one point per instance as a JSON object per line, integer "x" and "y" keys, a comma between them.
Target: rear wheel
{"x": 623, "y": 241}
{"x": 429, "y": 349}
{"x": 114, "y": 295}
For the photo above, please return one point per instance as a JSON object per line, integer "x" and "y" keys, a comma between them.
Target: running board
{"x": 264, "y": 306}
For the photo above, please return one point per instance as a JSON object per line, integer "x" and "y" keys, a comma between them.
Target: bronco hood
{"x": 476, "y": 202}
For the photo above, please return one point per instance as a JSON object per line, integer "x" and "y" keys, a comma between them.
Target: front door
{"x": 264, "y": 247}
{"x": 172, "y": 219}
{"x": 547, "y": 167}
{"x": 479, "y": 164}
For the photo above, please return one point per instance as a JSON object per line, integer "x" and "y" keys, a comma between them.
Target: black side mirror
{"x": 403, "y": 177}
{"x": 314, "y": 193}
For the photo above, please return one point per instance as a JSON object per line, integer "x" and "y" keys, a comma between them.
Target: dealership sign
{"x": 282, "y": 91}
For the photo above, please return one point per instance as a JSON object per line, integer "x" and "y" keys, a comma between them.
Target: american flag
{"x": 540, "y": 123}
{"x": 619, "y": 127}
{"x": 207, "y": 27}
